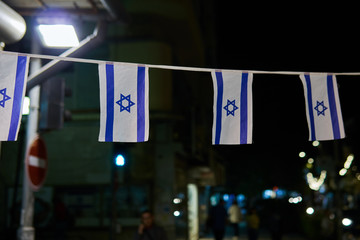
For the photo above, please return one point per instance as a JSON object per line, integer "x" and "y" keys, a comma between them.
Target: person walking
{"x": 253, "y": 223}
{"x": 218, "y": 218}
{"x": 235, "y": 217}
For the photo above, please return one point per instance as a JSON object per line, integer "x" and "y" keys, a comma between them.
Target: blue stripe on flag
{"x": 244, "y": 109}
{"x": 333, "y": 110}
{"x": 310, "y": 108}
{"x": 18, "y": 92}
{"x": 219, "y": 82}
{"x": 109, "y": 103}
{"x": 141, "y": 104}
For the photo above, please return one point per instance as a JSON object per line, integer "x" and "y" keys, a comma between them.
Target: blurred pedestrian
{"x": 275, "y": 226}
{"x": 148, "y": 230}
{"x": 253, "y": 223}
{"x": 235, "y": 217}
{"x": 218, "y": 218}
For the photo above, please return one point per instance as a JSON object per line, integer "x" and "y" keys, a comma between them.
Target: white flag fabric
{"x": 323, "y": 110}
{"x": 232, "y": 122}
{"x": 13, "y": 77}
{"x": 124, "y": 103}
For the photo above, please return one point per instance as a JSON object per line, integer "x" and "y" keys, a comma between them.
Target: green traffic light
{"x": 120, "y": 160}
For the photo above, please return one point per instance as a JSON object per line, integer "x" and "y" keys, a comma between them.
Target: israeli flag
{"x": 124, "y": 103}
{"x": 13, "y": 77}
{"x": 232, "y": 122}
{"x": 323, "y": 110}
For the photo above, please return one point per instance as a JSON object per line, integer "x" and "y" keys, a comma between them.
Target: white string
{"x": 169, "y": 67}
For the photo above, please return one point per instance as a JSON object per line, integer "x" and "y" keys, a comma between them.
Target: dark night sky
{"x": 296, "y": 38}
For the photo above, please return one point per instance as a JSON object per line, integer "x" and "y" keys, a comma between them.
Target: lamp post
{"x": 26, "y": 230}
{"x": 116, "y": 179}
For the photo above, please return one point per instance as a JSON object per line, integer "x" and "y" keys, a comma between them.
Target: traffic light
{"x": 52, "y": 104}
{"x": 52, "y": 111}
{"x": 119, "y": 160}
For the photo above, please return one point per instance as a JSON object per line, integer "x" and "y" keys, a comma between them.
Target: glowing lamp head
{"x": 58, "y": 35}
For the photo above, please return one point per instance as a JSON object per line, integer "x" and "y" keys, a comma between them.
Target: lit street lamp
{"x": 58, "y": 35}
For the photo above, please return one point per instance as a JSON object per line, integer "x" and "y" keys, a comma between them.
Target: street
{"x": 262, "y": 237}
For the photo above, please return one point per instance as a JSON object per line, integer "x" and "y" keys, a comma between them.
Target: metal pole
{"x": 2, "y": 45}
{"x": 26, "y": 230}
{"x": 38, "y": 74}
{"x": 114, "y": 185}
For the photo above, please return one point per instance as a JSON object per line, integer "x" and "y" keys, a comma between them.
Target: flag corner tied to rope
{"x": 232, "y": 120}
{"x": 13, "y": 77}
{"x": 323, "y": 109}
{"x": 124, "y": 104}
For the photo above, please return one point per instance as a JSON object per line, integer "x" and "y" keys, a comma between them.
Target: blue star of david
{"x": 320, "y": 108}
{"x": 128, "y": 105}
{"x": 5, "y": 97}
{"x": 230, "y": 110}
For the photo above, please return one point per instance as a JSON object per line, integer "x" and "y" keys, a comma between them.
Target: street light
{"x": 343, "y": 171}
{"x": 346, "y": 222}
{"x": 310, "y": 211}
{"x": 58, "y": 35}
{"x": 315, "y": 143}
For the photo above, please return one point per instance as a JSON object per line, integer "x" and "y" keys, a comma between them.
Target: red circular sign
{"x": 36, "y": 164}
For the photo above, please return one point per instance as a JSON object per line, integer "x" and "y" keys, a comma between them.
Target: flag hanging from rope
{"x": 323, "y": 110}
{"x": 232, "y": 120}
{"x": 13, "y": 76}
{"x": 124, "y": 104}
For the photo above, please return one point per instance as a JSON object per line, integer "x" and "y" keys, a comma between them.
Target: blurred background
{"x": 101, "y": 188}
